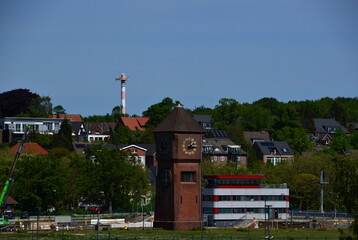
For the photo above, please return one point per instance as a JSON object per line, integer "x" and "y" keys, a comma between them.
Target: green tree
{"x": 253, "y": 117}
{"x": 43, "y": 140}
{"x": 210, "y": 168}
{"x": 353, "y": 140}
{"x": 122, "y": 135}
{"x": 346, "y": 184}
{"x": 305, "y": 189}
{"x": 287, "y": 127}
{"x": 59, "y": 110}
{"x": 270, "y": 104}
{"x": 39, "y": 107}
{"x": 64, "y": 136}
{"x": 41, "y": 181}
{"x": 117, "y": 113}
{"x": 15, "y": 102}
{"x": 226, "y": 113}
{"x": 295, "y": 137}
{"x": 339, "y": 113}
{"x": 157, "y": 112}
{"x": 340, "y": 142}
{"x": 202, "y": 110}
{"x": 119, "y": 176}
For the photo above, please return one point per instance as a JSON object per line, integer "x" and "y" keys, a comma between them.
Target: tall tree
{"x": 64, "y": 136}
{"x": 306, "y": 190}
{"x": 347, "y": 185}
{"x": 157, "y": 112}
{"x": 59, "y": 110}
{"x": 39, "y": 107}
{"x": 119, "y": 177}
{"x": 14, "y": 102}
{"x": 287, "y": 127}
{"x": 226, "y": 113}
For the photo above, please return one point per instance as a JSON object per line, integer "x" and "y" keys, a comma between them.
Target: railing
{"x": 283, "y": 185}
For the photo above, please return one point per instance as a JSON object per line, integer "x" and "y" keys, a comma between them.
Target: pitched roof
{"x": 217, "y": 134}
{"x": 29, "y": 148}
{"x": 279, "y": 148}
{"x": 219, "y": 144}
{"x": 327, "y": 125}
{"x": 134, "y": 123}
{"x": 202, "y": 118}
{"x": 10, "y": 201}
{"x": 179, "y": 120}
{"x": 99, "y": 127}
{"x": 70, "y": 117}
{"x": 252, "y": 137}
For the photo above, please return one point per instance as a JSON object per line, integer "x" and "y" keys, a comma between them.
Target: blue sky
{"x": 196, "y": 52}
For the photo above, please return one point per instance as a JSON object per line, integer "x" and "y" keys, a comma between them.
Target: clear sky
{"x": 193, "y": 51}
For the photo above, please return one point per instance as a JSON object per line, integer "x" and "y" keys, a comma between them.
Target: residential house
{"x": 29, "y": 149}
{"x": 10, "y": 205}
{"x": 14, "y": 127}
{"x": 273, "y": 152}
{"x": 77, "y": 126}
{"x": 133, "y": 123}
{"x": 70, "y": 117}
{"x": 221, "y": 150}
{"x": 98, "y": 131}
{"x": 145, "y": 153}
{"x": 257, "y": 136}
{"x": 325, "y": 128}
{"x": 205, "y": 121}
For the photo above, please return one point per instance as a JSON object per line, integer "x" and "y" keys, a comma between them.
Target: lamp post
{"x": 267, "y": 220}
{"x": 38, "y": 222}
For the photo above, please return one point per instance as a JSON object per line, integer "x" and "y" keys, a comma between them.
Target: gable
{"x": 134, "y": 123}
{"x": 70, "y": 117}
{"x": 29, "y": 148}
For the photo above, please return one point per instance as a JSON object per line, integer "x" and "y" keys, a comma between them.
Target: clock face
{"x": 189, "y": 146}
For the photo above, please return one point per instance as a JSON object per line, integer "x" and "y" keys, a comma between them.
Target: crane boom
{"x": 10, "y": 179}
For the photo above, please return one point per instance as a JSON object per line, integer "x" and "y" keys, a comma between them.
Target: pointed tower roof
{"x": 179, "y": 120}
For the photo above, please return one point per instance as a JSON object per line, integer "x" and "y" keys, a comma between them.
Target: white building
{"x": 229, "y": 199}
{"x": 17, "y": 125}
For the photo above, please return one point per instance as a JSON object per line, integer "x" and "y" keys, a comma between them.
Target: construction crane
{"x": 10, "y": 179}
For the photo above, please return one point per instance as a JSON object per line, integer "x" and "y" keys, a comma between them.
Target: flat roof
{"x": 233, "y": 176}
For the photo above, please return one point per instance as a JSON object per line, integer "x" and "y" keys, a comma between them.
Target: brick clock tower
{"x": 178, "y": 188}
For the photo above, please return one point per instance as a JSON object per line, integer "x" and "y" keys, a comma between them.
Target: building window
{"x": 134, "y": 151}
{"x": 48, "y": 126}
{"x": 187, "y": 176}
{"x": 224, "y": 198}
{"x": 164, "y": 177}
{"x": 238, "y": 210}
{"x": 18, "y": 128}
{"x": 57, "y": 127}
{"x": 238, "y": 198}
{"x": 208, "y": 198}
{"x": 252, "y": 198}
{"x": 207, "y": 210}
{"x": 224, "y": 210}
{"x": 222, "y": 158}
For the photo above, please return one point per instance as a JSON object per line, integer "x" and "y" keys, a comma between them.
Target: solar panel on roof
{"x": 267, "y": 144}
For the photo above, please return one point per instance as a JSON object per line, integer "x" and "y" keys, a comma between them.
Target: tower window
{"x": 187, "y": 176}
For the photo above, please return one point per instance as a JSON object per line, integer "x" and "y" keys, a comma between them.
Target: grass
{"x": 207, "y": 234}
